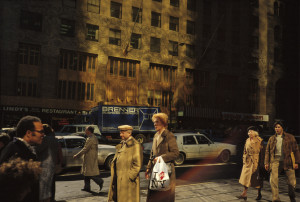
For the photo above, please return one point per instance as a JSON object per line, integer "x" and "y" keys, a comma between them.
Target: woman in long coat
{"x": 252, "y": 162}
{"x": 164, "y": 145}
{"x": 125, "y": 168}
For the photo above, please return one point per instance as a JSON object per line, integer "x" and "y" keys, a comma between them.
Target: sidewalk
{"x": 214, "y": 191}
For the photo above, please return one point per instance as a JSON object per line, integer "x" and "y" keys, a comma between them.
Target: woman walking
{"x": 252, "y": 162}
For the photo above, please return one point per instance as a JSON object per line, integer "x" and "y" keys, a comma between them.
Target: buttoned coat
{"x": 125, "y": 169}
{"x": 166, "y": 148}
{"x": 90, "y": 157}
{"x": 289, "y": 144}
{"x": 252, "y": 161}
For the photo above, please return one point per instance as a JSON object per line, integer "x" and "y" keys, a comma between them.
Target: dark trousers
{"x": 87, "y": 181}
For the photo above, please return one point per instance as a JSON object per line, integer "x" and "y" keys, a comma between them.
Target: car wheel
{"x": 108, "y": 162}
{"x": 224, "y": 156}
{"x": 140, "y": 138}
{"x": 179, "y": 160}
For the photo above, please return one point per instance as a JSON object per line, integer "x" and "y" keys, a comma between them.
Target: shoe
{"x": 242, "y": 197}
{"x": 259, "y": 196}
{"x": 101, "y": 185}
{"x": 87, "y": 190}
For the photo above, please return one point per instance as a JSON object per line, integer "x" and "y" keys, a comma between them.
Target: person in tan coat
{"x": 90, "y": 169}
{"x": 125, "y": 168}
{"x": 164, "y": 145}
{"x": 252, "y": 163}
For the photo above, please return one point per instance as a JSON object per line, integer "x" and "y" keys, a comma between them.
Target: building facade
{"x": 201, "y": 62}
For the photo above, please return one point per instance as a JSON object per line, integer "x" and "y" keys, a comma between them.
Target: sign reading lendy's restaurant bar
{"x": 40, "y": 110}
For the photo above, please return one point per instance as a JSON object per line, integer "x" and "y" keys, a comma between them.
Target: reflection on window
{"x": 189, "y": 140}
{"x": 75, "y": 143}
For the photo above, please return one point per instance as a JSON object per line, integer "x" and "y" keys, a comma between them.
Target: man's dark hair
{"x": 91, "y": 129}
{"x": 26, "y": 123}
{"x": 279, "y": 123}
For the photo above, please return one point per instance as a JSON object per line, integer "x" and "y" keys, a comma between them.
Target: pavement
{"x": 214, "y": 190}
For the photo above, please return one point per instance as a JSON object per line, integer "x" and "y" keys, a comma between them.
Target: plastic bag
{"x": 159, "y": 180}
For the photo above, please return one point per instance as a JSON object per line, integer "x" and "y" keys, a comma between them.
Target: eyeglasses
{"x": 39, "y": 131}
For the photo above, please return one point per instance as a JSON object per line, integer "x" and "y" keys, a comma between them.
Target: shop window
{"x": 191, "y": 5}
{"x": 174, "y": 23}
{"x": 155, "y": 19}
{"x": 27, "y": 86}
{"x": 190, "y": 27}
{"x": 67, "y": 27}
{"x": 135, "y": 41}
{"x": 92, "y": 32}
{"x": 155, "y": 44}
{"x": 136, "y": 14}
{"x": 29, "y": 54}
{"x": 190, "y": 51}
{"x": 115, "y": 37}
{"x": 93, "y": 6}
{"x": 115, "y": 9}
{"x": 174, "y": 3}
{"x": 31, "y": 21}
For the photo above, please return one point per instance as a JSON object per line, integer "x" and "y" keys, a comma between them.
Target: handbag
{"x": 160, "y": 180}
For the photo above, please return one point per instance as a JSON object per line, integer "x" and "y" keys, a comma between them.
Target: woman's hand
{"x": 147, "y": 174}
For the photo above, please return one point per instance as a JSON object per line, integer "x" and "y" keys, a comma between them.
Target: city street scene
{"x": 149, "y": 100}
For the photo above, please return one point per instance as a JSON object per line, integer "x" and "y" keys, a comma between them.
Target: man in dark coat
{"x": 29, "y": 132}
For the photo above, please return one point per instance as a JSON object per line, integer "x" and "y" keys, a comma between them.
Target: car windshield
{"x": 75, "y": 143}
{"x": 69, "y": 129}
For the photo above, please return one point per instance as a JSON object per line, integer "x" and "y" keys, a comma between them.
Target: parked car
{"x": 197, "y": 146}
{"x": 76, "y": 128}
{"x": 71, "y": 145}
{"x": 101, "y": 138}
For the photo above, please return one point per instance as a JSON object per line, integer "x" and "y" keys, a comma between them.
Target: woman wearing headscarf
{"x": 252, "y": 163}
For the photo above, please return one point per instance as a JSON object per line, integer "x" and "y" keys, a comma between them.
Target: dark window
{"x": 174, "y": 3}
{"x": 254, "y": 3}
{"x": 115, "y": 9}
{"x": 27, "y": 86}
{"x": 62, "y": 89}
{"x": 31, "y": 21}
{"x": 202, "y": 140}
{"x": 135, "y": 41}
{"x": 190, "y": 50}
{"x": 29, "y": 54}
{"x": 155, "y": 19}
{"x": 190, "y": 27}
{"x": 155, "y": 44}
{"x": 90, "y": 91}
{"x": 75, "y": 143}
{"x": 69, "y": 3}
{"x": 92, "y": 32}
{"x": 93, "y": 6}
{"x": 191, "y": 5}
{"x": 188, "y": 140}
{"x": 123, "y": 68}
{"x": 173, "y": 48}
{"x": 81, "y": 91}
{"x": 71, "y": 90}
{"x": 136, "y": 14}
{"x": 67, "y": 27}
{"x": 115, "y": 37}
{"x": 174, "y": 24}
{"x": 201, "y": 79}
{"x": 82, "y": 62}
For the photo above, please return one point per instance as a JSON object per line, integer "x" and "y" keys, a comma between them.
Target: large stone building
{"x": 212, "y": 61}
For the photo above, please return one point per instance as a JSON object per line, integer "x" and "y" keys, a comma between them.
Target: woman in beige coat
{"x": 164, "y": 145}
{"x": 252, "y": 161}
{"x": 125, "y": 168}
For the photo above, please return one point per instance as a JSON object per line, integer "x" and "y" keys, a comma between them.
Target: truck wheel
{"x": 140, "y": 138}
{"x": 108, "y": 162}
{"x": 180, "y": 159}
{"x": 224, "y": 156}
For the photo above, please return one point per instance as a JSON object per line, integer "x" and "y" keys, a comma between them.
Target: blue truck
{"x": 109, "y": 117}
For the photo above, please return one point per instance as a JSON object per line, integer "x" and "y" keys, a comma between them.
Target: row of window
{"x": 122, "y": 67}
{"x": 27, "y": 86}
{"x": 74, "y": 90}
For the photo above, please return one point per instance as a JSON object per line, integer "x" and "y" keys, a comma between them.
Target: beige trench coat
{"x": 90, "y": 158}
{"x": 251, "y": 160}
{"x": 166, "y": 148}
{"x": 125, "y": 170}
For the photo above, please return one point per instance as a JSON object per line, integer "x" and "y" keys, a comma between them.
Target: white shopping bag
{"x": 160, "y": 180}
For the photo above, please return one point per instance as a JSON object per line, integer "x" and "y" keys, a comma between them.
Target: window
{"x": 155, "y": 44}
{"x": 136, "y": 14}
{"x": 155, "y": 19}
{"x": 122, "y": 67}
{"x": 82, "y": 62}
{"x": 190, "y": 50}
{"x": 90, "y": 91}
{"x": 93, "y": 6}
{"x": 29, "y": 54}
{"x": 92, "y": 32}
{"x": 277, "y": 55}
{"x": 135, "y": 41}
{"x": 202, "y": 140}
{"x": 67, "y": 27}
{"x": 201, "y": 79}
{"x": 277, "y": 33}
{"x": 162, "y": 73}
{"x": 27, "y": 86}
{"x": 62, "y": 89}
{"x": 173, "y": 48}
{"x": 81, "y": 91}
{"x": 115, "y": 37}
{"x": 190, "y": 27}
{"x": 254, "y": 43}
{"x": 188, "y": 140}
{"x": 191, "y": 5}
{"x": 71, "y": 90}
{"x": 254, "y": 3}
{"x": 174, "y": 3}
{"x": 75, "y": 143}
{"x": 174, "y": 24}
{"x": 115, "y": 10}
{"x": 69, "y": 3}
{"x": 31, "y": 21}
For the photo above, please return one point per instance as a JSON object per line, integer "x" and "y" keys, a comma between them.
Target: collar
{"x": 129, "y": 142}
{"x": 26, "y": 144}
{"x": 283, "y": 135}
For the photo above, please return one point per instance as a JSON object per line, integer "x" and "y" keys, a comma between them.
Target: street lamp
{"x": 175, "y": 45}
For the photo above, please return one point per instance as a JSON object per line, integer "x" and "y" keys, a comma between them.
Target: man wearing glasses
{"x": 29, "y": 132}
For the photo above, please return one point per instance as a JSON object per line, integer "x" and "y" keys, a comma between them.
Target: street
{"x": 204, "y": 181}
